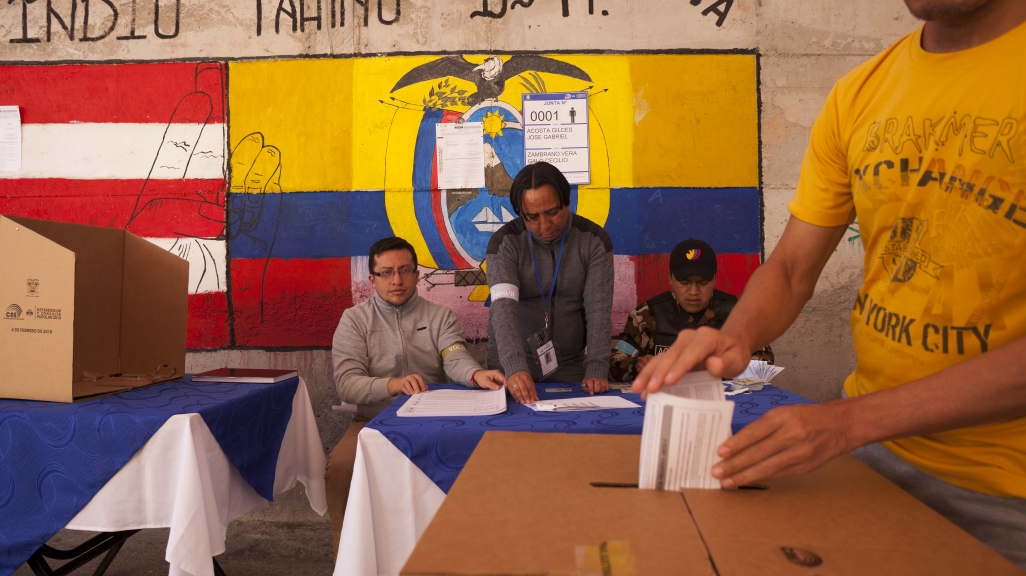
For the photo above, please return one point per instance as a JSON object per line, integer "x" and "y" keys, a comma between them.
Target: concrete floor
{"x": 253, "y": 548}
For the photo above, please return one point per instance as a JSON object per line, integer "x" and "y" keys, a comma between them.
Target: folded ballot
{"x": 684, "y": 425}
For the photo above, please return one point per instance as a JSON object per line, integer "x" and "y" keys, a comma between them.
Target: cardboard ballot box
{"x": 83, "y": 299}
{"x": 529, "y": 503}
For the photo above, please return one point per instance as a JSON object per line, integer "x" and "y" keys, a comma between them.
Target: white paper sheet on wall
{"x": 10, "y": 139}
{"x": 461, "y": 158}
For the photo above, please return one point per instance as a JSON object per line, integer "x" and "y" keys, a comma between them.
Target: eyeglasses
{"x": 388, "y": 273}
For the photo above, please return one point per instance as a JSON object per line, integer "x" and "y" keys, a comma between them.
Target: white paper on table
{"x": 10, "y": 139}
{"x": 699, "y": 385}
{"x": 455, "y": 403}
{"x": 460, "y": 155}
{"x": 582, "y": 404}
{"x": 679, "y": 439}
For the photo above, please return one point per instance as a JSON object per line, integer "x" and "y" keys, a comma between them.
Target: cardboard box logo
{"x": 13, "y": 312}
{"x": 33, "y": 288}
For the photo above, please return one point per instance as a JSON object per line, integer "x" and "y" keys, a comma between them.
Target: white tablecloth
{"x": 391, "y": 503}
{"x": 182, "y": 479}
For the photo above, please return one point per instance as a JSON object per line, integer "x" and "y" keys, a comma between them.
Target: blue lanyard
{"x": 555, "y": 273}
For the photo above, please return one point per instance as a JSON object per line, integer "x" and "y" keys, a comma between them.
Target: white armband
{"x": 500, "y": 291}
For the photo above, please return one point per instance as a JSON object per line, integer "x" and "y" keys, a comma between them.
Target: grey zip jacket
{"x": 582, "y": 303}
{"x": 376, "y": 341}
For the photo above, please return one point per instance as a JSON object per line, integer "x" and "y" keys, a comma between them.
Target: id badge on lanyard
{"x": 541, "y": 341}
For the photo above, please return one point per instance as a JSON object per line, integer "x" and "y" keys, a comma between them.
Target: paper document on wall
{"x": 582, "y": 404}
{"x": 455, "y": 403}
{"x": 460, "y": 158}
{"x": 679, "y": 439}
{"x": 10, "y": 139}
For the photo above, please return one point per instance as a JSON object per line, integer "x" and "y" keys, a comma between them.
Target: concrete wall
{"x": 282, "y": 182}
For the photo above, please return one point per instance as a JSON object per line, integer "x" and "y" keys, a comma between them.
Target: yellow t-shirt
{"x": 928, "y": 152}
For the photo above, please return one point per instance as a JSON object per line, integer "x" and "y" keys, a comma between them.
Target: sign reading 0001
{"x": 556, "y": 131}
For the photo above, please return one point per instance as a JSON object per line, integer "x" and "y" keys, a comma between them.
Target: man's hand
{"x": 642, "y": 362}
{"x": 489, "y": 379}
{"x": 521, "y": 386}
{"x": 718, "y": 352}
{"x": 411, "y": 384}
{"x": 786, "y": 441}
{"x": 595, "y": 385}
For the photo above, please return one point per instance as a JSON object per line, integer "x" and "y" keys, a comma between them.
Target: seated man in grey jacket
{"x": 394, "y": 343}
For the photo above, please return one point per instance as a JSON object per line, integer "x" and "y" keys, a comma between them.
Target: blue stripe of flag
{"x": 341, "y": 224}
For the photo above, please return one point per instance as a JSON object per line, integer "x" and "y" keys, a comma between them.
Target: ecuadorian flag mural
{"x": 321, "y": 157}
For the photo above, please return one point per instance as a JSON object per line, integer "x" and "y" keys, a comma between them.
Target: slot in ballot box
{"x": 529, "y": 503}
{"x": 87, "y": 311}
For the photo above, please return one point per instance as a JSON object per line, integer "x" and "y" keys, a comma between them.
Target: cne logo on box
{"x": 13, "y": 312}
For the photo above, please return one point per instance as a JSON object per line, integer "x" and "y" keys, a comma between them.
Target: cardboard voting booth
{"x": 529, "y": 503}
{"x": 87, "y": 311}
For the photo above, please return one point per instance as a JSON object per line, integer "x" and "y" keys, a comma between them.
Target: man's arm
{"x": 350, "y": 358}
{"x": 457, "y": 362}
{"x": 504, "y": 285}
{"x": 598, "y": 307}
{"x": 634, "y": 343}
{"x": 990, "y": 387}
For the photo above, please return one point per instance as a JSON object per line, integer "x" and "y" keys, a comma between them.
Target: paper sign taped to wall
{"x": 461, "y": 159}
{"x": 10, "y": 139}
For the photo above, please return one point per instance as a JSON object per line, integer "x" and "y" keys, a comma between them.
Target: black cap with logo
{"x": 693, "y": 257}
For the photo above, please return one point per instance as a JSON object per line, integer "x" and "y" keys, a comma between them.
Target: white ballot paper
{"x": 460, "y": 155}
{"x": 10, "y": 139}
{"x": 582, "y": 404}
{"x": 455, "y": 403}
{"x": 680, "y": 434}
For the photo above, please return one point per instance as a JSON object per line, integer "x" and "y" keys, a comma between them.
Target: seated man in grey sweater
{"x": 395, "y": 343}
{"x": 550, "y": 273}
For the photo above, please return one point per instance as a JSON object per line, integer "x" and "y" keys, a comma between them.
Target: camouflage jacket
{"x": 642, "y": 337}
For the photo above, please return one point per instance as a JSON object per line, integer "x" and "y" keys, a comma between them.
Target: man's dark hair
{"x": 386, "y": 244}
{"x": 534, "y": 176}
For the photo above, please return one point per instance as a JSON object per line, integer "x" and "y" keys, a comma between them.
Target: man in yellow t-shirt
{"x": 925, "y": 144}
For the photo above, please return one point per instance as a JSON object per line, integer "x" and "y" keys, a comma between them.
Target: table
{"x": 405, "y": 466}
{"x": 200, "y": 469}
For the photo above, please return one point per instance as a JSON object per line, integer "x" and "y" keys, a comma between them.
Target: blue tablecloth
{"x": 55, "y": 457}
{"x": 440, "y": 447}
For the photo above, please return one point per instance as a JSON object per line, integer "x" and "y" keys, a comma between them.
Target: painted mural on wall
{"x": 273, "y": 177}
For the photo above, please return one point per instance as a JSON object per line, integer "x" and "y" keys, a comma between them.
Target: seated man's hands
{"x": 787, "y": 440}
{"x": 411, "y": 384}
{"x": 521, "y": 386}
{"x": 722, "y": 354}
{"x": 642, "y": 362}
{"x": 489, "y": 379}
{"x": 595, "y": 385}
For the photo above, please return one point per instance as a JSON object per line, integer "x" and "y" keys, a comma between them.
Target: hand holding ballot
{"x": 718, "y": 352}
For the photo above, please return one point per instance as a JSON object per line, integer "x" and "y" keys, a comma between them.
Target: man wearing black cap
{"x": 691, "y": 301}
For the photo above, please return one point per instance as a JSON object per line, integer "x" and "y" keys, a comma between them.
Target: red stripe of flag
{"x": 297, "y": 303}
{"x": 167, "y": 208}
{"x": 208, "y": 321}
{"x": 139, "y": 93}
